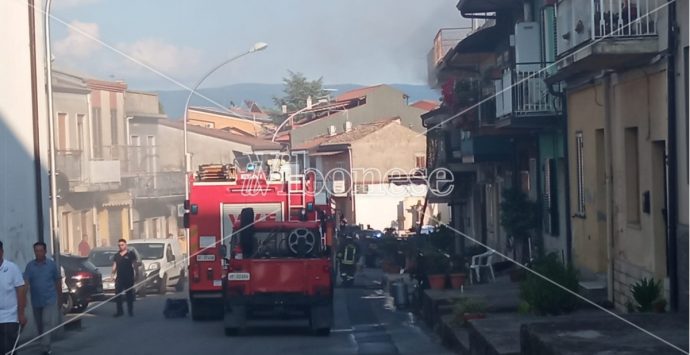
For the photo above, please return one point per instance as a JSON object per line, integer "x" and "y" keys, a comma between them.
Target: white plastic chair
{"x": 484, "y": 260}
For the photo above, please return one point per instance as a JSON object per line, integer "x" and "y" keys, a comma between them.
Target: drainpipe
{"x": 564, "y": 129}
{"x": 38, "y": 173}
{"x": 608, "y": 168}
{"x": 671, "y": 188}
{"x": 55, "y": 224}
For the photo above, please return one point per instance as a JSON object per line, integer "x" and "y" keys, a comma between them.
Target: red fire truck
{"x": 258, "y": 244}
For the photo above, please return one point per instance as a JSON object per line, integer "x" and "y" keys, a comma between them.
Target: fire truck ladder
{"x": 301, "y": 192}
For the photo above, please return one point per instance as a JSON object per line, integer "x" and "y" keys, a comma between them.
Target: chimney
{"x": 331, "y": 131}
{"x": 347, "y": 126}
{"x": 309, "y": 103}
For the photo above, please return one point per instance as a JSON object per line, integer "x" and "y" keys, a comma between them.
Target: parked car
{"x": 372, "y": 233}
{"x": 164, "y": 262}
{"x": 83, "y": 281}
{"x": 102, "y": 258}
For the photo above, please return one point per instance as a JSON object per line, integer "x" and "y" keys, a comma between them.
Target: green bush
{"x": 646, "y": 292}
{"x": 435, "y": 261}
{"x": 542, "y": 296}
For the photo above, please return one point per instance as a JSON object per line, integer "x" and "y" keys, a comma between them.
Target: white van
{"x": 163, "y": 261}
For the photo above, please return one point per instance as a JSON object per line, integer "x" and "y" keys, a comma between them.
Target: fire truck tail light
{"x": 195, "y": 275}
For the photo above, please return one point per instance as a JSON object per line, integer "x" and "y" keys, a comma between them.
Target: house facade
{"x": 618, "y": 76}
{"x": 374, "y": 174}
{"x": 24, "y": 188}
{"x": 360, "y": 106}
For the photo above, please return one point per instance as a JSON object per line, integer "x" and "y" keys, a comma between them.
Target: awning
{"x": 323, "y": 154}
{"x": 121, "y": 199}
{"x": 483, "y": 40}
{"x": 486, "y": 6}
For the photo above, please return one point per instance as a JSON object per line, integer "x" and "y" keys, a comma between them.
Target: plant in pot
{"x": 437, "y": 268}
{"x": 520, "y": 218}
{"x": 466, "y": 309}
{"x": 647, "y": 295}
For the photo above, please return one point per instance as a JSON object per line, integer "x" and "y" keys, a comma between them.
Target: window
{"x": 549, "y": 36}
{"x": 550, "y": 197}
{"x": 97, "y": 132}
{"x": 632, "y": 176}
{"x": 114, "y": 140}
{"x": 579, "y": 170}
{"x": 80, "y": 132}
{"x": 62, "y": 131}
{"x": 420, "y": 161}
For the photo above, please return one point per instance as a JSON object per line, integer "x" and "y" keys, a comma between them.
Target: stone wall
{"x": 625, "y": 275}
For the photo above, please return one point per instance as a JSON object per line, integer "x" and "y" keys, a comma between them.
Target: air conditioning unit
{"x": 338, "y": 187}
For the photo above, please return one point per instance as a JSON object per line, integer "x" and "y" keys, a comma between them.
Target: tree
{"x": 520, "y": 217}
{"x": 297, "y": 89}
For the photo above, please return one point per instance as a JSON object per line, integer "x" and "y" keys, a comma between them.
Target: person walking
{"x": 45, "y": 286}
{"x": 124, "y": 274}
{"x": 12, "y": 303}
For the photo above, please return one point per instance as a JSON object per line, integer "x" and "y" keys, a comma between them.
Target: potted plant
{"x": 646, "y": 293}
{"x": 466, "y": 309}
{"x": 437, "y": 268}
{"x": 457, "y": 272}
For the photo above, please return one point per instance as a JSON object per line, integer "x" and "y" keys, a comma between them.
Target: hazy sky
{"x": 346, "y": 41}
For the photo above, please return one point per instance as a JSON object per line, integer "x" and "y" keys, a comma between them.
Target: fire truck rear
{"x": 273, "y": 208}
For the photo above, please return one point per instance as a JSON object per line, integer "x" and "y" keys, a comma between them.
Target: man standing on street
{"x": 12, "y": 303}
{"x": 123, "y": 271}
{"x": 84, "y": 247}
{"x": 45, "y": 287}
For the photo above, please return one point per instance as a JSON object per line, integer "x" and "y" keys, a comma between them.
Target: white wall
{"x": 18, "y": 203}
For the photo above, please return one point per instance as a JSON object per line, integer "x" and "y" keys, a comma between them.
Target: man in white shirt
{"x": 12, "y": 303}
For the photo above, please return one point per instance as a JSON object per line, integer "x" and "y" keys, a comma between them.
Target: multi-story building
{"x": 621, "y": 62}
{"x": 500, "y": 125}
{"x": 156, "y": 162}
{"x": 90, "y": 160}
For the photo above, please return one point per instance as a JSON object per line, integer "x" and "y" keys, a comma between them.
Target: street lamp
{"x": 259, "y": 46}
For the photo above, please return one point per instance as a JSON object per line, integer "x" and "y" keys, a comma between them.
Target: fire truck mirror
{"x": 194, "y": 209}
{"x": 185, "y": 219}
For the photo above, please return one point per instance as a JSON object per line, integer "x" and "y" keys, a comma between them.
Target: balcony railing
{"x": 446, "y": 39}
{"x": 81, "y": 171}
{"x": 68, "y": 162}
{"x": 522, "y": 91}
{"x": 624, "y": 18}
{"x": 580, "y": 21}
{"x": 159, "y": 184}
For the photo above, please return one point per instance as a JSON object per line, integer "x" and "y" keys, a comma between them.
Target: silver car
{"x": 102, "y": 257}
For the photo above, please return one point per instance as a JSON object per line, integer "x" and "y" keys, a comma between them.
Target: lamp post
{"x": 259, "y": 46}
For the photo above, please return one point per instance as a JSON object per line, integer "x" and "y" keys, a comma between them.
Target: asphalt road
{"x": 365, "y": 323}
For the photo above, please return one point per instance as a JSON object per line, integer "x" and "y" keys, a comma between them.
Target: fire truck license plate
{"x": 204, "y": 257}
{"x": 238, "y": 276}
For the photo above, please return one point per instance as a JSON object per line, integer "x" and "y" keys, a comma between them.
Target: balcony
{"x": 483, "y": 149}
{"x": 156, "y": 184}
{"x": 445, "y": 41}
{"x": 85, "y": 175}
{"x": 523, "y": 99}
{"x": 594, "y": 35}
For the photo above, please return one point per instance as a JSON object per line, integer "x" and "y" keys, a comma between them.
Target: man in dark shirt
{"x": 123, "y": 271}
